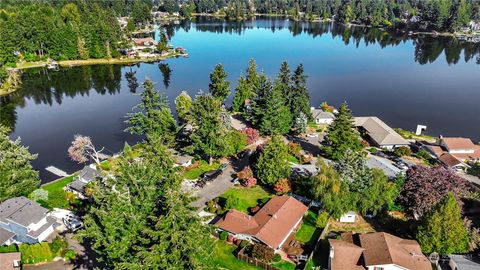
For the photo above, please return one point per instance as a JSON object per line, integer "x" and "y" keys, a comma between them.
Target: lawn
{"x": 56, "y": 194}
{"x": 223, "y": 258}
{"x": 195, "y": 173}
{"x": 308, "y": 229}
{"x": 292, "y": 159}
{"x": 284, "y": 265}
{"x": 247, "y": 197}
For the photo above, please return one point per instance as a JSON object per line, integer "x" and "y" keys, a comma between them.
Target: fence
{"x": 243, "y": 257}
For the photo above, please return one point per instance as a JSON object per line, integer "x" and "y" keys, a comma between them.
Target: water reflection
{"x": 427, "y": 48}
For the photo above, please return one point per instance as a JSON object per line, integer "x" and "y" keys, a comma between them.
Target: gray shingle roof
{"x": 88, "y": 174}
{"x": 21, "y": 211}
{"x": 380, "y": 132}
{"x": 5, "y": 235}
{"x": 320, "y": 114}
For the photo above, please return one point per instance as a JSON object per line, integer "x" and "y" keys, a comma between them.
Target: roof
{"x": 450, "y": 160}
{"x": 458, "y": 143}
{"x": 321, "y": 114}
{"x": 347, "y": 255}
{"x": 380, "y": 132}
{"x": 181, "y": 159}
{"x": 271, "y": 224}
{"x": 77, "y": 185}
{"x": 383, "y": 164}
{"x": 7, "y": 259}
{"x": 21, "y": 211}
{"x": 383, "y": 248}
{"x": 50, "y": 221}
{"x": 88, "y": 174}
{"x": 5, "y": 235}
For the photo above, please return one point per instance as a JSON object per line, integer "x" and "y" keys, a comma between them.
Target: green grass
{"x": 223, "y": 258}
{"x": 197, "y": 172}
{"x": 284, "y": 265}
{"x": 310, "y": 265}
{"x": 58, "y": 185}
{"x": 308, "y": 229}
{"x": 56, "y": 194}
{"x": 247, "y": 197}
{"x": 292, "y": 159}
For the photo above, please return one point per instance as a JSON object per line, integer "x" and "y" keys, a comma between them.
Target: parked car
{"x": 72, "y": 224}
{"x": 210, "y": 175}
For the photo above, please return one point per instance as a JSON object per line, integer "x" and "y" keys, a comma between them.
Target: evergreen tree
{"x": 351, "y": 167}
{"x": 17, "y": 177}
{"x": 219, "y": 86}
{"x": 272, "y": 164}
{"x": 443, "y": 230}
{"x": 299, "y": 99}
{"x": 242, "y": 92}
{"x": 341, "y": 135}
{"x": 183, "y": 105}
{"x": 153, "y": 116}
{"x": 276, "y": 118}
{"x": 284, "y": 79}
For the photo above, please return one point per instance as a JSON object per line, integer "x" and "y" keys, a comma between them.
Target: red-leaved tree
{"x": 424, "y": 187}
{"x": 283, "y": 186}
{"x": 82, "y": 149}
{"x": 250, "y": 182}
{"x": 252, "y": 135}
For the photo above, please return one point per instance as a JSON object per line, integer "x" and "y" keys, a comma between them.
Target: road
{"x": 218, "y": 186}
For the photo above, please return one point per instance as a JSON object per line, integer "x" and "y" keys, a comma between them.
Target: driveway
{"x": 218, "y": 186}
{"x": 470, "y": 178}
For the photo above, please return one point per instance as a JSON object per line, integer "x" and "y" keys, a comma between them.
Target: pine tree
{"x": 219, "y": 86}
{"x": 443, "y": 230}
{"x": 17, "y": 177}
{"x": 242, "y": 92}
{"x": 272, "y": 165}
{"x": 183, "y": 105}
{"x": 153, "y": 116}
{"x": 276, "y": 118}
{"x": 341, "y": 135}
{"x": 299, "y": 99}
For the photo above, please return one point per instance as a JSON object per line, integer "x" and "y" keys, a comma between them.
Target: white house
{"x": 322, "y": 117}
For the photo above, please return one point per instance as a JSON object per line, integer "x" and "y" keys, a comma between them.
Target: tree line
{"x": 439, "y": 15}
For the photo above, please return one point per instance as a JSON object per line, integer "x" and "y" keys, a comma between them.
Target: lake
{"x": 404, "y": 80}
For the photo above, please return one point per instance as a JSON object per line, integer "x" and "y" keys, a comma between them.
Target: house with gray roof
{"x": 25, "y": 221}
{"x": 383, "y": 164}
{"x": 322, "y": 117}
{"x": 87, "y": 175}
{"x": 379, "y": 134}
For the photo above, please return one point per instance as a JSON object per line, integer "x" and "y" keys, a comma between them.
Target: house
{"x": 454, "y": 152}
{"x": 379, "y": 134}
{"x": 383, "y": 164}
{"x": 348, "y": 217}
{"x": 87, "y": 175}
{"x": 148, "y": 41}
{"x": 183, "y": 160}
{"x": 271, "y": 225}
{"x": 26, "y": 219}
{"x": 374, "y": 251}
{"x": 322, "y": 117}
{"x": 11, "y": 261}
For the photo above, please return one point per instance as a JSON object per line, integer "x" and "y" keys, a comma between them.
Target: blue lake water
{"x": 403, "y": 80}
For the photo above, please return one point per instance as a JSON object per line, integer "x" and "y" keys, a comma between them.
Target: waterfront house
{"x": 374, "y": 251}
{"x": 26, "y": 220}
{"x": 322, "y": 117}
{"x": 379, "y": 134}
{"x": 87, "y": 175}
{"x": 454, "y": 152}
{"x": 271, "y": 225}
{"x": 148, "y": 41}
{"x": 11, "y": 261}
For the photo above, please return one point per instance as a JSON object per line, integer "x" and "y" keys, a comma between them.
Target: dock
{"x": 56, "y": 171}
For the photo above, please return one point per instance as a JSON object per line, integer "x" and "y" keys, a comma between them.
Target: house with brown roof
{"x": 454, "y": 152}
{"x": 11, "y": 261}
{"x": 379, "y": 134}
{"x": 271, "y": 225}
{"x": 374, "y": 251}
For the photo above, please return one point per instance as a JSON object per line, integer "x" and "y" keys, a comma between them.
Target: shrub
{"x": 237, "y": 242}
{"x": 58, "y": 246}
{"x": 373, "y": 150}
{"x": 223, "y": 235}
{"x": 212, "y": 210}
{"x": 243, "y": 243}
{"x": 262, "y": 252}
{"x": 36, "y": 253}
{"x": 254, "y": 209}
{"x": 10, "y": 248}
{"x": 365, "y": 144}
{"x": 250, "y": 182}
{"x": 264, "y": 200}
{"x": 40, "y": 194}
{"x": 252, "y": 135}
{"x": 294, "y": 149}
{"x": 245, "y": 173}
{"x": 230, "y": 238}
{"x": 70, "y": 255}
{"x": 402, "y": 151}
{"x": 283, "y": 186}
{"x": 423, "y": 154}
{"x": 277, "y": 258}
{"x": 322, "y": 220}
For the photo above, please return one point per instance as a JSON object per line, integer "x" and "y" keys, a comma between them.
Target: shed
{"x": 348, "y": 217}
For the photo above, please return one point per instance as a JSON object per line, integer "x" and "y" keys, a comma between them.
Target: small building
{"x": 348, "y": 217}
{"x": 374, "y": 251}
{"x": 87, "y": 175}
{"x": 11, "y": 261}
{"x": 322, "y": 117}
{"x": 26, "y": 219}
{"x": 183, "y": 160}
{"x": 271, "y": 225}
{"x": 379, "y": 134}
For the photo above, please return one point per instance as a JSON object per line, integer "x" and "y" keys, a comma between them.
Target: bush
{"x": 423, "y": 154}
{"x": 322, "y": 220}
{"x": 250, "y": 182}
{"x": 264, "y": 200}
{"x": 243, "y": 243}
{"x": 245, "y": 173}
{"x": 39, "y": 194}
{"x": 230, "y": 238}
{"x": 252, "y": 135}
{"x": 277, "y": 258}
{"x": 59, "y": 246}
{"x": 402, "y": 151}
{"x": 36, "y": 253}
{"x": 223, "y": 235}
{"x": 10, "y": 248}
{"x": 70, "y": 255}
{"x": 262, "y": 252}
{"x": 283, "y": 186}
{"x": 294, "y": 149}
{"x": 373, "y": 150}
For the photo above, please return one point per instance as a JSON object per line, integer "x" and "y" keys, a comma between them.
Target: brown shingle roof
{"x": 271, "y": 224}
{"x": 458, "y": 143}
{"x": 346, "y": 256}
{"x": 7, "y": 259}
{"x": 449, "y": 160}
